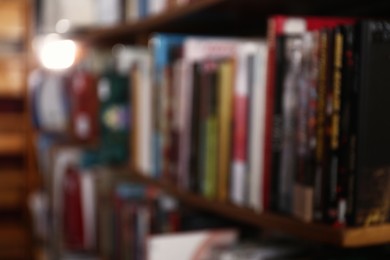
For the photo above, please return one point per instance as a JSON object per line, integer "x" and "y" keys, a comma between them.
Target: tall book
{"x": 225, "y": 100}
{"x": 257, "y": 80}
{"x": 210, "y": 69}
{"x": 372, "y": 179}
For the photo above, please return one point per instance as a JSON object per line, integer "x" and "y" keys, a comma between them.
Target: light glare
{"x": 58, "y": 54}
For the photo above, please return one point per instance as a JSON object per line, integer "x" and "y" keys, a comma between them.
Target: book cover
{"x": 372, "y": 178}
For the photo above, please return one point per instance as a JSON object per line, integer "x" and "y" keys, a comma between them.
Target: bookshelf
{"x": 168, "y": 21}
{"x": 342, "y": 237}
{"x": 15, "y": 171}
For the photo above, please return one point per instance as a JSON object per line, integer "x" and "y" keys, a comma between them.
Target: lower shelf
{"x": 343, "y": 237}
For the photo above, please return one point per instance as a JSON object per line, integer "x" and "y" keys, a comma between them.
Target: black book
{"x": 277, "y": 122}
{"x": 346, "y": 120}
{"x": 372, "y": 180}
{"x": 194, "y": 166}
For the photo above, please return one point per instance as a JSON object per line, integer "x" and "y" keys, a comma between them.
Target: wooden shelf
{"x": 226, "y": 17}
{"x": 12, "y": 143}
{"x": 148, "y": 24}
{"x": 12, "y": 122}
{"x": 11, "y": 199}
{"x": 12, "y": 179}
{"x": 342, "y": 237}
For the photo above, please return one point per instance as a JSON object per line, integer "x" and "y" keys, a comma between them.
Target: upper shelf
{"x": 228, "y": 17}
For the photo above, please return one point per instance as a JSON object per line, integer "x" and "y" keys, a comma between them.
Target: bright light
{"x": 57, "y": 54}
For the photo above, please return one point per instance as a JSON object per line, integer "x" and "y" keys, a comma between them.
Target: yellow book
{"x": 224, "y": 118}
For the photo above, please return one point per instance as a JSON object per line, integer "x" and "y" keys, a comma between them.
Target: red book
{"x": 84, "y": 105}
{"x": 282, "y": 25}
{"x": 72, "y": 210}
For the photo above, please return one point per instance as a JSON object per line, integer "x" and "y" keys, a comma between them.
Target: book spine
{"x": 288, "y": 167}
{"x": 194, "y": 167}
{"x": 277, "y": 123}
{"x": 352, "y": 142}
{"x": 345, "y": 123}
{"x": 320, "y": 127}
{"x": 332, "y": 213}
{"x": 329, "y": 176}
{"x": 204, "y": 93}
{"x": 240, "y": 127}
{"x": 210, "y": 180}
{"x": 257, "y": 126}
{"x": 271, "y": 42}
{"x": 225, "y": 92}
{"x": 303, "y": 188}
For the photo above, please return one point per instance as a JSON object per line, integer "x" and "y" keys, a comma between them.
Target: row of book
{"x": 65, "y": 15}
{"x": 98, "y": 209}
{"x": 295, "y": 125}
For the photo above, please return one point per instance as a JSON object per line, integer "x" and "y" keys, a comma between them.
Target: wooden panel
{"x": 12, "y": 179}
{"x": 366, "y": 236}
{"x": 11, "y": 198}
{"x": 12, "y": 20}
{"x": 12, "y": 122}
{"x": 12, "y": 143}
{"x": 12, "y": 76}
{"x": 12, "y": 234}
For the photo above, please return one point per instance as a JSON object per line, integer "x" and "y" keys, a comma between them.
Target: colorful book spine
{"x": 239, "y": 170}
{"x": 225, "y": 95}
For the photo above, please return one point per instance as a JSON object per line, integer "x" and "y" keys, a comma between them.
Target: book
{"x": 372, "y": 179}
{"x": 84, "y": 105}
{"x": 257, "y": 95}
{"x": 225, "y": 100}
{"x": 190, "y": 245}
{"x": 162, "y": 44}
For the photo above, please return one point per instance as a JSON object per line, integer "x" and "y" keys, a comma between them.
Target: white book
{"x": 189, "y": 245}
{"x": 51, "y": 109}
{"x": 108, "y": 12}
{"x": 88, "y": 209}
{"x": 156, "y": 6}
{"x": 78, "y": 13}
{"x": 257, "y": 126}
{"x": 132, "y": 10}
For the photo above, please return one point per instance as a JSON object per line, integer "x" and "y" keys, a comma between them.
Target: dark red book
{"x": 84, "y": 106}
{"x": 73, "y": 227}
